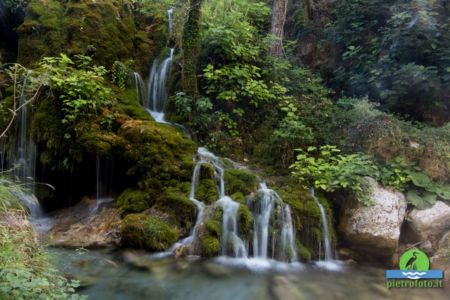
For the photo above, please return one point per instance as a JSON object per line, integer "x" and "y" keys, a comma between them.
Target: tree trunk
{"x": 191, "y": 47}
{"x": 278, "y": 20}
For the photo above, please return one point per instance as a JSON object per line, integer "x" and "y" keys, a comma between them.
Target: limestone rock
{"x": 374, "y": 230}
{"x": 81, "y": 226}
{"x": 429, "y": 224}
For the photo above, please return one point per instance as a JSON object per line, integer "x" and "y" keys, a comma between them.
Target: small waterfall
{"x": 170, "y": 17}
{"x": 270, "y": 212}
{"x": 232, "y": 244}
{"x": 140, "y": 89}
{"x": 157, "y": 93}
{"x": 153, "y": 98}
{"x": 103, "y": 183}
{"x": 24, "y": 152}
{"x": 326, "y": 234}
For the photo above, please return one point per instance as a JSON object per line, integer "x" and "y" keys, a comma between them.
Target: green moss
{"x": 239, "y": 181}
{"x": 41, "y": 33}
{"x": 245, "y": 220}
{"x": 238, "y": 197}
{"x": 213, "y": 228}
{"x": 128, "y": 105}
{"x": 210, "y": 246}
{"x": 175, "y": 202}
{"x": 210, "y": 238}
{"x": 304, "y": 253}
{"x": 207, "y": 191}
{"x": 133, "y": 201}
{"x": 102, "y": 29}
{"x": 151, "y": 233}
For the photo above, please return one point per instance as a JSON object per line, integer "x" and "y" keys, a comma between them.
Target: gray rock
{"x": 429, "y": 224}
{"x": 374, "y": 230}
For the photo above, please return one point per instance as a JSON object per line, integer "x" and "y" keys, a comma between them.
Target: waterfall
{"x": 102, "y": 183}
{"x": 274, "y": 234}
{"x": 271, "y": 212}
{"x": 140, "y": 89}
{"x": 154, "y": 98}
{"x": 170, "y": 17}
{"x": 24, "y": 152}
{"x": 325, "y": 232}
{"x": 230, "y": 235}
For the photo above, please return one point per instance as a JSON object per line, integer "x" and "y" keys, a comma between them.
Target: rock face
{"x": 428, "y": 225}
{"x": 375, "y": 229}
{"x": 81, "y": 226}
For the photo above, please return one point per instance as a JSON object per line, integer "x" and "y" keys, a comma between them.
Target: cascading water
{"x": 273, "y": 236}
{"x": 24, "y": 152}
{"x": 22, "y": 156}
{"x": 170, "y": 17}
{"x": 325, "y": 231}
{"x": 154, "y": 97}
{"x": 103, "y": 183}
{"x": 157, "y": 93}
{"x": 270, "y": 212}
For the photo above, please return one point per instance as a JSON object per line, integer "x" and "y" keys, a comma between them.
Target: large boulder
{"x": 374, "y": 230}
{"x": 428, "y": 226}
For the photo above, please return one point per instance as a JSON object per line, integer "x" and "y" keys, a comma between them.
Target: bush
{"x": 25, "y": 268}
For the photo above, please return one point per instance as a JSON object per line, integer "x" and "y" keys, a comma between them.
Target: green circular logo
{"x": 414, "y": 259}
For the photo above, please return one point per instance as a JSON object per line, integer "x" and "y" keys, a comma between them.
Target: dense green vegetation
{"x": 26, "y": 271}
{"x": 361, "y": 90}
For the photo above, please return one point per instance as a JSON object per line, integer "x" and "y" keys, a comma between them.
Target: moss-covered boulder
{"x": 133, "y": 201}
{"x": 207, "y": 191}
{"x": 240, "y": 181}
{"x": 207, "y": 243}
{"x": 307, "y": 219}
{"x": 108, "y": 31}
{"x": 147, "y": 232}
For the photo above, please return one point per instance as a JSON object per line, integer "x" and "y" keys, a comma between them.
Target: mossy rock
{"x": 207, "y": 171}
{"x": 304, "y": 253}
{"x": 245, "y": 221}
{"x": 238, "y": 197}
{"x": 128, "y": 106}
{"x": 210, "y": 246}
{"x": 41, "y": 33}
{"x": 175, "y": 202}
{"x": 133, "y": 201}
{"x": 210, "y": 234}
{"x": 104, "y": 30}
{"x": 207, "y": 191}
{"x": 147, "y": 232}
{"x": 239, "y": 181}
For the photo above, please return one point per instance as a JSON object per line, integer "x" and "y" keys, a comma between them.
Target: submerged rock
{"x": 374, "y": 230}
{"x": 85, "y": 226}
{"x": 428, "y": 224}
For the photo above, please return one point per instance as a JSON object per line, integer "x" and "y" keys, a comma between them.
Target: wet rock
{"x": 374, "y": 230}
{"x": 137, "y": 259}
{"x": 218, "y": 270}
{"x": 441, "y": 259}
{"x": 429, "y": 224}
{"x": 85, "y": 226}
{"x": 282, "y": 288}
{"x": 182, "y": 251}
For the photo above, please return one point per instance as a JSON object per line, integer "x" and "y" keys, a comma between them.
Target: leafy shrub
{"x": 81, "y": 90}
{"x": 120, "y": 72}
{"x": 25, "y": 268}
{"x": 330, "y": 170}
